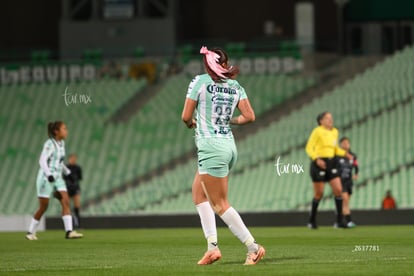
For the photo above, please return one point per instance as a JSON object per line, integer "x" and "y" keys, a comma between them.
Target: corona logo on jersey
{"x": 214, "y": 88}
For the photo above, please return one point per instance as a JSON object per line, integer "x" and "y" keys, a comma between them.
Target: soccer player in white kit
{"x": 215, "y": 96}
{"x": 49, "y": 178}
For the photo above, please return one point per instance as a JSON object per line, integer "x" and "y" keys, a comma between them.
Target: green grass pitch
{"x": 373, "y": 250}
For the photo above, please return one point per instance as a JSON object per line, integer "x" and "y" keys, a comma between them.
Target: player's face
{"x": 345, "y": 145}
{"x": 62, "y": 133}
{"x": 72, "y": 159}
{"x": 327, "y": 120}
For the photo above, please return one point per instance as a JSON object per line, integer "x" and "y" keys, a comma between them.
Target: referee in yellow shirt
{"x": 322, "y": 147}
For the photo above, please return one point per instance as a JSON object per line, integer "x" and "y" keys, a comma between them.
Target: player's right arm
{"x": 188, "y": 110}
{"x": 47, "y": 152}
{"x": 310, "y": 149}
{"x": 190, "y": 103}
{"x": 311, "y": 145}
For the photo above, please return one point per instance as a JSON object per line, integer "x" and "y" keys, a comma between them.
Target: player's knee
{"x": 65, "y": 202}
{"x": 217, "y": 208}
{"x": 199, "y": 198}
{"x": 337, "y": 192}
{"x": 220, "y": 208}
{"x": 318, "y": 195}
{"x": 43, "y": 207}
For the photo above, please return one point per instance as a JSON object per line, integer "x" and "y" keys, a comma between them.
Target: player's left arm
{"x": 66, "y": 170}
{"x": 356, "y": 167}
{"x": 247, "y": 113}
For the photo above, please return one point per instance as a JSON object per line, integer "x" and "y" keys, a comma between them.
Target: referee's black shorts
{"x": 73, "y": 189}
{"x": 319, "y": 175}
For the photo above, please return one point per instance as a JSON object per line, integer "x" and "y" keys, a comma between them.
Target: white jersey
{"x": 216, "y": 102}
{"x": 52, "y": 157}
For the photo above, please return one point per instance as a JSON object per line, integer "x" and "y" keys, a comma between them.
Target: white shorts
{"x": 44, "y": 188}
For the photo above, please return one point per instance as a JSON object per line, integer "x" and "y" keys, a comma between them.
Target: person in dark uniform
{"x": 322, "y": 148}
{"x": 73, "y": 186}
{"x": 346, "y": 167}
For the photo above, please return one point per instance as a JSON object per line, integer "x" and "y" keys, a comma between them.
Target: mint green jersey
{"x": 216, "y": 102}
{"x": 51, "y": 158}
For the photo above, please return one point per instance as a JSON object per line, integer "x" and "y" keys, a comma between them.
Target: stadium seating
{"x": 110, "y": 154}
{"x": 25, "y": 112}
{"x": 155, "y": 134}
{"x": 370, "y": 108}
{"x": 379, "y": 102}
{"x": 370, "y": 197}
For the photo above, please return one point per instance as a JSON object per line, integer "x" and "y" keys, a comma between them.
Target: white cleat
{"x": 73, "y": 235}
{"x": 351, "y": 224}
{"x": 31, "y": 237}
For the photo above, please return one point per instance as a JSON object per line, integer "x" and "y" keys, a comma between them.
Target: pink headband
{"x": 212, "y": 60}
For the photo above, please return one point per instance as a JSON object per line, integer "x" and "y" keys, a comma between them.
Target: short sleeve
{"x": 48, "y": 148}
{"x": 194, "y": 88}
{"x": 243, "y": 94}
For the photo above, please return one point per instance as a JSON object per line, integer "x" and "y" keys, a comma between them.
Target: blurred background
{"x": 116, "y": 72}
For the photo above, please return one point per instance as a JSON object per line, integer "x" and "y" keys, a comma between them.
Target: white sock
{"x": 67, "y": 222}
{"x": 33, "y": 226}
{"x": 208, "y": 223}
{"x": 239, "y": 229}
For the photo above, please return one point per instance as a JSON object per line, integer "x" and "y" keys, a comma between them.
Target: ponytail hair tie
{"x": 212, "y": 59}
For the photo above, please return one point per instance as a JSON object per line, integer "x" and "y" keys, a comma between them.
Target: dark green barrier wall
{"x": 368, "y": 10}
{"x": 361, "y": 218}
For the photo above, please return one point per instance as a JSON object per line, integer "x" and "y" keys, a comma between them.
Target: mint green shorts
{"x": 44, "y": 188}
{"x": 216, "y": 156}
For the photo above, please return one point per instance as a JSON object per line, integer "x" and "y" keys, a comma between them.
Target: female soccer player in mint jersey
{"x": 49, "y": 178}
{"x": 215, "y": 96}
